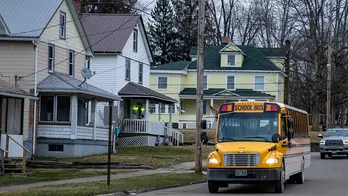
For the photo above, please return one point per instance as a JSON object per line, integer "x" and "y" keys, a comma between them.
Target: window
{"x": 140, "y": 73}
{"x": 135, "y": 40}
{"x": 56, "y": 148}
{"x": 171, "y": 108}
{"x": 71, "y": 62}
{"x": 55, "y": 108}
{"x": 63, "y": 108}
{"x": 51, "y": 58}
{"x": 162, "y": 108}
{"x": 205, "y": 82}
{"x": 231, "y": 60}
{"x": 46, "y": 109}
{"x": 128, "y": 69}
{"x": 204, "y": 107}
{"x": 88, "y": 62}
{"x": 162, "y": 82}
{"x": 62, "y": 25}
{"x": 259, "y": 82}
{"x": 230, "y": 82}
{"x": 152, "y": 108}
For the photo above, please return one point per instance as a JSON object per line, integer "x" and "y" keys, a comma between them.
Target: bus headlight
{"x": 272, "y": 161}
{"x": 213, "y": 161}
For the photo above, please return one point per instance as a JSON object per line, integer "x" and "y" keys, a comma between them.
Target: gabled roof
{"x": 62, "y": 83}
{"x": 254, "y": 59}
{"x": 27, "y": 19}
{"x": 220, "y": 92}
{"x": 4, "y": 26}
{"x": 178, "y": 65}
{"x": 118, "y": 26}
{"x": 134, "y": 90}
{"x": 8, "y": 90}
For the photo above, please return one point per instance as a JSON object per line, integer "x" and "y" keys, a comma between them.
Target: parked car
{"x": 334, "y": 142}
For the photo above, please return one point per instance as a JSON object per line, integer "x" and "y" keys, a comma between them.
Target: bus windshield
{"x": 247, "y": 127}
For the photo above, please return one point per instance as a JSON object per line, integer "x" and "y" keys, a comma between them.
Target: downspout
{"x": 35, "y": 103}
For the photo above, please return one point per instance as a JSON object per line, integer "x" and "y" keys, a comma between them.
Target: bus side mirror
{"x": 276, "y": 137}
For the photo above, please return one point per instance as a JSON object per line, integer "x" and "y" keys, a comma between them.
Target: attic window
{"x": 62, "y": 25}
{"x": 231, "y": 60}
{"x": 135, "y": 40}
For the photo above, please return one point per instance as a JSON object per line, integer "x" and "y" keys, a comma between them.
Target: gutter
{"x": 35, "y": 103}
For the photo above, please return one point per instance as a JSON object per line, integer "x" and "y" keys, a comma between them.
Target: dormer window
{"x": 135, "y": 40}
{"x": 231, "y": 60}
{"x": 62, "y": 25}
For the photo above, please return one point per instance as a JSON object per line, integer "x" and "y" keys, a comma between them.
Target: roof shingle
{"x": 58, "y": 82}
{"x": 6, "y": 89}
{"x": 115, "y": 28}
{"x": 135, "y": 90}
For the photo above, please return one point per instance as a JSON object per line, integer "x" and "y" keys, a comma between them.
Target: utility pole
{"x": 199, "y": 92}
{"x": 329, "y": 68}
{"x": 111, "y": 104}
{"x": 287, "y": 72}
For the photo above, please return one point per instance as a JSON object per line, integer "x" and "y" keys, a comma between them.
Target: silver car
{"x": 334, "y": 142}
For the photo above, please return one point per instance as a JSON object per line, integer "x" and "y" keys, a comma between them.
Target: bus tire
{"x": 322, "y": 155}
{"x": 213, "y": 187}
{"x": 279, "y": 184}
{"x": 300, "y": 176}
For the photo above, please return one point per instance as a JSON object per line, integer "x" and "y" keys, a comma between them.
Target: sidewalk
{"x": 180, "y": 168}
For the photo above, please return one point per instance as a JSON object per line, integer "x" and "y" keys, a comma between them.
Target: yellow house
{"x": 231, "y": 73}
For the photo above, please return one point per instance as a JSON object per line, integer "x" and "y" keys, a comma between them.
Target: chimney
{"x": 78, "y": 5}
{"x": 225, "y": 40}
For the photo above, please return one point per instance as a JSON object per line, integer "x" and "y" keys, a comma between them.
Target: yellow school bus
{"x": 259, "y": 142}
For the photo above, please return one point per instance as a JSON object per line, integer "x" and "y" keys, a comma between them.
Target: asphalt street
{"x": 327, "y": 177}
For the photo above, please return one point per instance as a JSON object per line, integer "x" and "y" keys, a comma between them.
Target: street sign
{"x": 106, "y": 114}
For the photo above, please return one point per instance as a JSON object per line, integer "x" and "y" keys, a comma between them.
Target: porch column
{"x": 73, "y": 134}
{"x": 147, "y": 106}
{"x": 211, "y": 112}
{"x": 170, "y": 115}
{"x": 94, "y": 118}
{"x": 159, "y": 111}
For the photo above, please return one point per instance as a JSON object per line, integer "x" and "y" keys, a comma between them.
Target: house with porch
{"x": 121, "y": 63}
{"x": 44, "y": 50}
{"x": 231, "y": 73}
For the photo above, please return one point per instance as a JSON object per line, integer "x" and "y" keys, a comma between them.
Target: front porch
{"x": 12, "y": 147}
{"x": 65, "y": 127}
{"x": 138, "y": 130}
{"x": 212, "y": 100}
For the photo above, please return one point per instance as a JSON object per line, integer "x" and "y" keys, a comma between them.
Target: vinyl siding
{"x": 73, "y": 41}
{"x": 17, "y": 58}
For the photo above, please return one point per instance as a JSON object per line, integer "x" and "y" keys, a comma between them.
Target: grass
{"x": 41, "y": 175}
{"x": 153, "y": 156}
{"x": 314, "y": 137}
{"x": 190, "y": 135}
{"x": 127, "y": 184}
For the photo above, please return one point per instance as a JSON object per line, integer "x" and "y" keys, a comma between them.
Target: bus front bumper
{"x": 243, "y": 175}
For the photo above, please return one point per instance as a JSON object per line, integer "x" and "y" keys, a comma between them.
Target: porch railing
{"x": 2, "y": 159}
{"x": 143, "y": 126}
{"x": 24, "y": 158}
{"x": 174, "y": 136}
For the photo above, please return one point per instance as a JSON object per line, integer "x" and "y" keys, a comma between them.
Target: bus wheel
{"x": 279, "y": 184}
{"x": 213, "y": 187}
{"x": 300, "y": 176}
{"x": 322, "y": 155}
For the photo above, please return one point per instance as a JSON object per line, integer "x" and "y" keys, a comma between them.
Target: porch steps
{"x": 13, "y": 165}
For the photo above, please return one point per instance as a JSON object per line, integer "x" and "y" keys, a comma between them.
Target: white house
{"x": 121, "y": 63}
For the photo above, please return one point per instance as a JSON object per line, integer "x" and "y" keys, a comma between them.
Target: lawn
{"x": 314, "y": 137}
{"x": 190, "y": 135}
{"x": 153, "y": 156}
{"x": 40, "y": 175}
{"x": 126, "y": 184}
